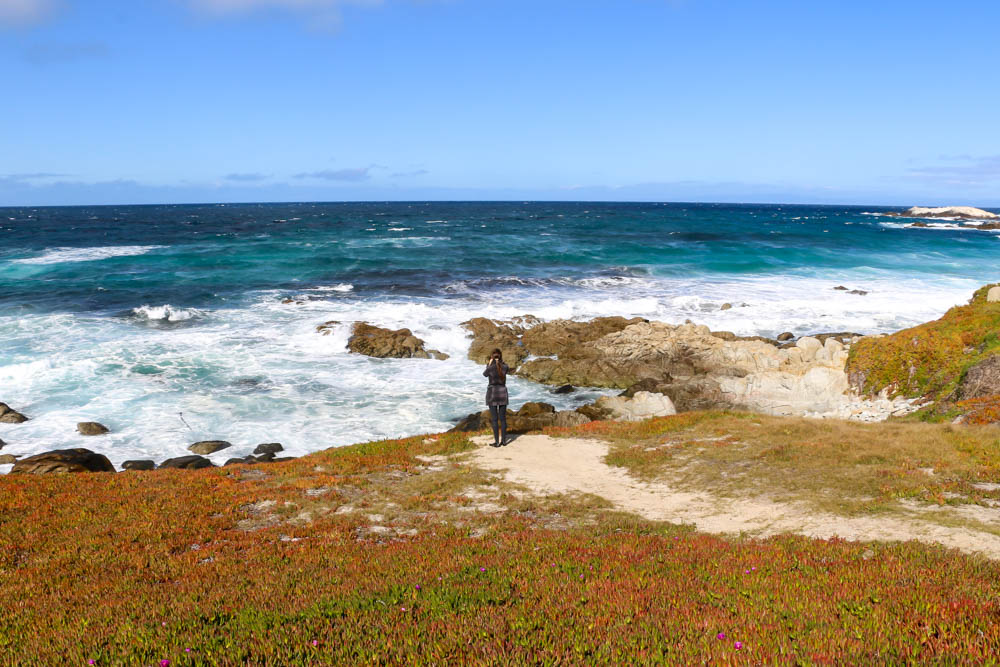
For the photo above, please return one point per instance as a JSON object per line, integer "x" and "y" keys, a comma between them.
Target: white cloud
{"x": 24, "y": 12}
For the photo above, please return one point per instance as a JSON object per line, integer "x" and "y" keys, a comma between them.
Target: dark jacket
{"x": 496, "y": 393}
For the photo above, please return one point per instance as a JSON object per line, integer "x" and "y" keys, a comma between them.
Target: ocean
{"x": 173, "y": 324}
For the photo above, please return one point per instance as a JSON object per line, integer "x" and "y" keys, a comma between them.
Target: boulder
{"x": 64, "y": 460}
{"x": 268, "y": 448}
{"x": 982, "y": 379}
{"x": 246, "y": 460}
{"x": 788, "y": 335}
{"x": 91, "y": 428}
{"x": 208, "y": 446}
{"x": 562, "y": 389}
{"x": 726, "y": 306}
{"x": 192, "y": 462}
{"x": 9, "y": 415}
{"x": 527, "y": 335}
{"x": 506, "y": 335}
{"x": 2, "y": 443}
{"x": 642, "y": 405}
{"x": 142, "y": 464}
{"x": 382, "y": 343}
{"x": 6, "y": 459}
{"x": 993, "y": 295}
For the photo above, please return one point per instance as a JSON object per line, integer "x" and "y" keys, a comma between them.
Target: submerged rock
{"x": 208, "y": 446}
{"x": 92, "y": 428}
{"x": 64, "y": 460}
{"x": 382, "y": 343}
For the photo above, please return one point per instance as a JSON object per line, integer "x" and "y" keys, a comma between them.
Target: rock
{"x": 383, "y": 343}
{"x": 140, "y": 464}
{"x": 8, "y": 458}
{"x": 505, "y": 335}
{"x": 192, "y": 462}
{"x": 268, "y": 448}
{"x": 533, "y": 409}
{"x": 642, "y": 405}
{"x": 9, "y": 415}
{"x": 208, "y": 446}
{"x": 981, "y": 380}
{"x": 788, "y": 335}
{"x": 2, "y": 444}
{"x": 993, "y": 295}
{"x": 726, "y": 306}
{"x": 281, "y": 459}
{"x": 91, "y": 428}
{"x": 527, "y": 335}
{"x": 563, "y": 389}
{"x": 958, "y": 212}
{"x": 530, "y": 417}
{"x": 246, "y": 460}
{"x": 860, "y": 292}
{"x": 327, "y": 327}
{"x": 64, "y": 460}
{"x": 841, "y": 288}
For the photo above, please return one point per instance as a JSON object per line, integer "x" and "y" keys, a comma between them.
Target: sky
{"x": 892, "y": 102}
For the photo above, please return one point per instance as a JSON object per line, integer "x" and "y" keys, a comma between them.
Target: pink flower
{"x": 721, "y": 635}
{"x": 91, "y": 662}
{"x": 738, "y": 645}
{"x": 482, "y": 569}
{"x": 164, "y": 663}
{"x": 187, "y": 650}
{"x": 402, "y": 608}
{"x": 315, "y": 643}
{"x": 418, "y": 587}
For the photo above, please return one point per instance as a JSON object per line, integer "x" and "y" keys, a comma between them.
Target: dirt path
{"x": 559, "y": 465}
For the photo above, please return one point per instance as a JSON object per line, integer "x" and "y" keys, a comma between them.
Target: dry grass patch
{"x": 831, "y": 465}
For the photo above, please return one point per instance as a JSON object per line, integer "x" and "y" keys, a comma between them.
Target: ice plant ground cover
{"x": 369, "y": 554}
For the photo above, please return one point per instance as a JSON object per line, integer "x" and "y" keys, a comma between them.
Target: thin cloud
{"x": 33, "y": 176}
{"x": 352, "y": 175}
{"x": 964, "y": 169}
{"x": 20, "y": 13}
{"x": 246, "y": 178}
{"x": 409, "y": 174}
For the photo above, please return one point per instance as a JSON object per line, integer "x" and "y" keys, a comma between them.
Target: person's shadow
{"x": 511, "y": 437}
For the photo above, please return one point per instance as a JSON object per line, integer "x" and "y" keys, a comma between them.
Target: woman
{"x": 496, "y": 396}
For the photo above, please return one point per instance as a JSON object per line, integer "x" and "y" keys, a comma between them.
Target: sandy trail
{"x": 549, "y": 465}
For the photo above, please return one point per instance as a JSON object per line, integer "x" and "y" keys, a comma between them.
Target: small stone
{"x": 141, "y": 464}
{"x": 187, "y": 463}
{"x": 246, "y": 460}
{"x": 726, "y": 306}
{"x": 91, "y": 428}
{"x": 2, "y": 443}
{"x": 841, "y": 288}
{"x": 208, "y": 446}
{"x": 788, "y": 335}
{"x": 860, "y": 292}
{"x": 268, "y": 448}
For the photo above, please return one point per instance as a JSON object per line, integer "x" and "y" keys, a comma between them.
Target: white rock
{"x": 950, "y": 212}
{"x": 994, "y": 294}
{"x": 642, "y": 405}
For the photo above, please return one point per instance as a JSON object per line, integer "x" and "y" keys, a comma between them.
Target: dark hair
{"x": 498, "y": 352}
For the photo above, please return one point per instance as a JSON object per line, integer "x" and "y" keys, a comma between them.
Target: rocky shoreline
{"x": 967, "y": 216}
{"x": 660, "y": 368}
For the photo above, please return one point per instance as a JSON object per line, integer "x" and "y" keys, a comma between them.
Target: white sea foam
{"x": 340, "y": 287}
{"x": 62, "y": 255}
{"x": 165, "y": 313}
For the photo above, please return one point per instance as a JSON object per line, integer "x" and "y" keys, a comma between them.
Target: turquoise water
{"x": 134, "y": 315}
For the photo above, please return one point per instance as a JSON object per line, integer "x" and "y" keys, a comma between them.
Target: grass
{"x": 280, "y": 564}
{"x": 931, "y": 359}
{"x": 831, "y": 465}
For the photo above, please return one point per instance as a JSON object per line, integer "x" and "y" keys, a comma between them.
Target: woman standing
{"x": 496, "y": 396}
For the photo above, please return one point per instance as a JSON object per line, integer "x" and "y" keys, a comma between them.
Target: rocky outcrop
{"x": 63, "y": 460}
{"x": 981, "y": 380}
{"x": 208, "y": 446}
{"x": 268, "y": 448}
{"x": 383, "y": 343}
{"x": 192, "y": 462}
{"x": 521, "y": 337}
{"x": 91, "y": 428}
{"x": 9, "y": 415}
{"x": 950, "y": 212}
{"x": 143, "y": 464}
{"x": 993, "y": 295}
{"x": 7, "y": 459}
{"x": 642, "y": 405}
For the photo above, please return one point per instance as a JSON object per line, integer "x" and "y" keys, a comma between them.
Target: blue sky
{"x": 880, "y": 102}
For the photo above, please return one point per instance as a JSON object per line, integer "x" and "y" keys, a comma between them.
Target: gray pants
{"x": 499, "y": 413}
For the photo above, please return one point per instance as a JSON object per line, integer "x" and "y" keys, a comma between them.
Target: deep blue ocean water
{"x": 169, "y": 323}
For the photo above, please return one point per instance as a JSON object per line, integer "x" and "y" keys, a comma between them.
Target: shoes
{"x": 504, "y": 443}
{"x": 495, "y": 444}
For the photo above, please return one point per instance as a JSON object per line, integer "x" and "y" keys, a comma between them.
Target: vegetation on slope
{"x": 390, "y": 553}
{"x": 930, "y": 360}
